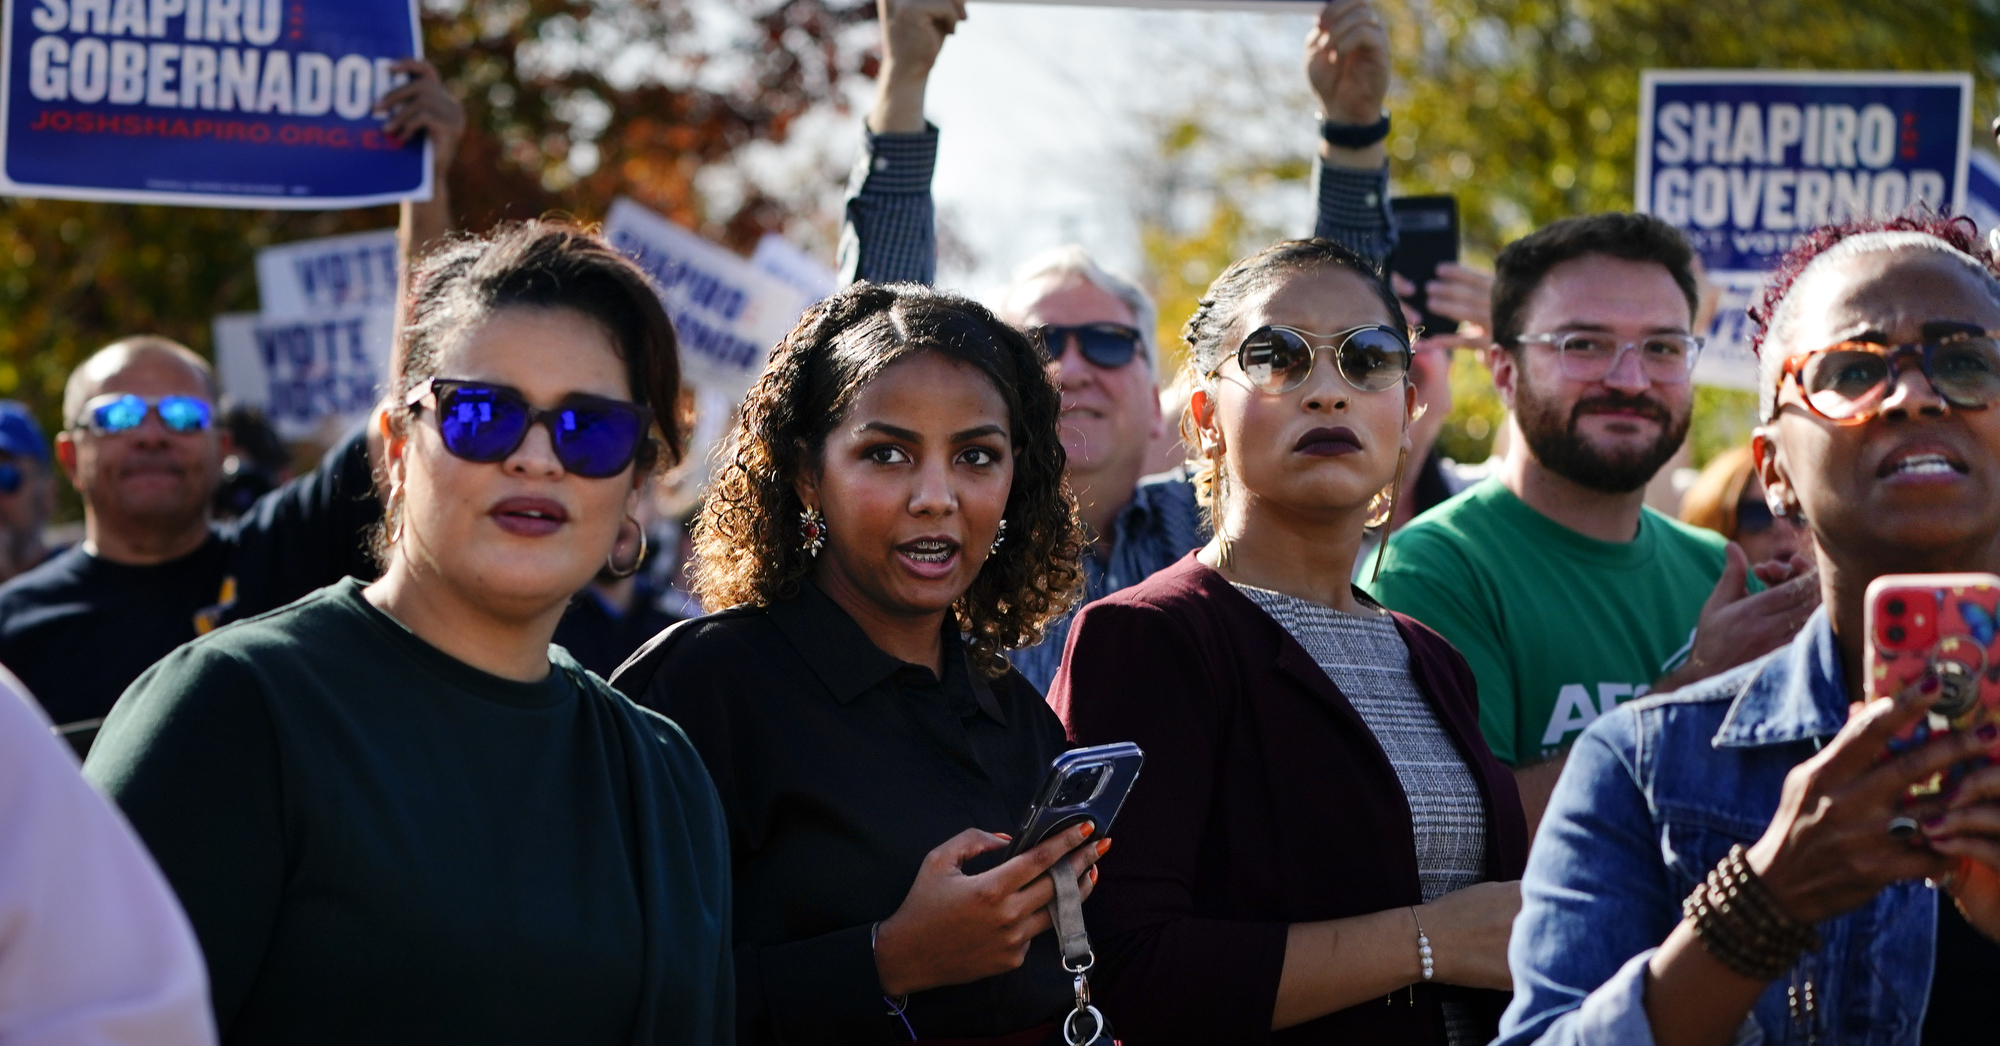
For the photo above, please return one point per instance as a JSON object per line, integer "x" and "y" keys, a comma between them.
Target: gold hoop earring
{"x": 637, "y": 561}
{"x": 395, "y": 514}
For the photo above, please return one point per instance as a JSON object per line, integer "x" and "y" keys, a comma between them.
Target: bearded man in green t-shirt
{"x": 1562, "y": 589}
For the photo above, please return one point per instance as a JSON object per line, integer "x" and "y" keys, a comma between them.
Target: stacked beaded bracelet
{"x": 1423, "y": 945}
{"x": 1741, "y": 924}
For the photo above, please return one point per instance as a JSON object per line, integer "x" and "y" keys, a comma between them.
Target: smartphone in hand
{"x": 1426, "y": 237}
{"x": 1942, "y": 627}
{"x": 1083, "y": 784}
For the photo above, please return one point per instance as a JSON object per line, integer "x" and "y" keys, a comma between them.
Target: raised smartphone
{"x": 1426, "y": 237}
{"x": 1940, "y": 626}
{"x": 1084, "y": 784}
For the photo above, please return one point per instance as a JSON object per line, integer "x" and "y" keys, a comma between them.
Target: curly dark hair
{"x": 539, "y": 264}
{"x": 746, "y": 538}
{"x": 1219, "y": 309}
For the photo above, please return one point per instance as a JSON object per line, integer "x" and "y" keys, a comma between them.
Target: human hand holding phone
{"x": 1939, "y": 635}
{"x": 954, "y": 928}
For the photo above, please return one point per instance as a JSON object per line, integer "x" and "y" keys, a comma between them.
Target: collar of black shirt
{"x": 848, "y": 662}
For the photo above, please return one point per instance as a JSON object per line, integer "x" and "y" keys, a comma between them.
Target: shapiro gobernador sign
{"x": 229, "y": 103}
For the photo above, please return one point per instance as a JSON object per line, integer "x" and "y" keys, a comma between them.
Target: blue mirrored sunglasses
{"x": 10, "y": 477}
{"x": 122, "y": 412}
{"x": 592, "y": 436}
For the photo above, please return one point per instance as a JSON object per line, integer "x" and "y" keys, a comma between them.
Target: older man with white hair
{"x": 1097, "y": 333}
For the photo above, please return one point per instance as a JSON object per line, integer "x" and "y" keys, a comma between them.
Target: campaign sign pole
{"x": 1747, "y": 162}
{"x": 222, "y": 103}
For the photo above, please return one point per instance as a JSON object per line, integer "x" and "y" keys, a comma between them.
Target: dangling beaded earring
{"x": 812, "y": 531}
{"x": 998, "y": 537}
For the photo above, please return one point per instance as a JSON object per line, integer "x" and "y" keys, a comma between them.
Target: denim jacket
{"x": 1654, "y": 795}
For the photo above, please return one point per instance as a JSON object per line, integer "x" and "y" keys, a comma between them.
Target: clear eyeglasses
{"x": 1665, "y": 359}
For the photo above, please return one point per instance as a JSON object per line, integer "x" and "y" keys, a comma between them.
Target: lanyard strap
{"x": 1084, "y": 1024}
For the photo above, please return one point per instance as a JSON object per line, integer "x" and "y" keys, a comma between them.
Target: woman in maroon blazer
{"x": 1321, "y": 849}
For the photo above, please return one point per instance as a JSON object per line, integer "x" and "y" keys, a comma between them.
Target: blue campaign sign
{"x": 1747, "y": 162}
{"x": 230, "y": 103}
{"x": 1982, "y": 192}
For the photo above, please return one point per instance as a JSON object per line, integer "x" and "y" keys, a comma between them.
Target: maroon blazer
{"x": 1264, "y": 801}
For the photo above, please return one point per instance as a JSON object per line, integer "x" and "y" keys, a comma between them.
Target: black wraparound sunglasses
{"x": 1106, "y": 345}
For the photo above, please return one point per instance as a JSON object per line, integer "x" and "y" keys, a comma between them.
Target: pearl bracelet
{"x": 1423, "y": 945}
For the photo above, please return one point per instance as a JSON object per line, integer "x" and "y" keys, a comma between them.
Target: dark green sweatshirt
{"x": 379, "y": 843}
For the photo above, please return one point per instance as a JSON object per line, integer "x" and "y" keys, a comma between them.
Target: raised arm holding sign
{"x": 424, "y": 107}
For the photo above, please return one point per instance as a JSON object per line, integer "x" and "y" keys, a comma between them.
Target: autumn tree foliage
{"x": 569, "y": 102}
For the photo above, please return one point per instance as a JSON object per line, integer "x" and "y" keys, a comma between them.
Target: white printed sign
{"x": 311, "y": 377}
{"x": 727, "y": 313}
{"x": 332, "y": 274}
{"x": 781, "y": 258}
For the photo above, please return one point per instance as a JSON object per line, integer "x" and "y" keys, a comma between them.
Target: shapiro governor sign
{"x": 1747, "y": 162}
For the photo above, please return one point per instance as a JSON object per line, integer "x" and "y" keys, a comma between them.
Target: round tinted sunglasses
{"x": 1847, "y": 383}
{"x": 114, "y": 412}
{"x": 592, "y": 436}
{"x": 1279, "y": 359}
{"x": 1106, "y": 345}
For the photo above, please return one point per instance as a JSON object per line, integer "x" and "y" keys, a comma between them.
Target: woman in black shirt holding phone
{"x": 888, "y": 518}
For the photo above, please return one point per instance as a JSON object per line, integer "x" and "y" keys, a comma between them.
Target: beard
{"x": 1553, "y": 437}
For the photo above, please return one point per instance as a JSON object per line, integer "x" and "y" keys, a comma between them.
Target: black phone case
{"x": 1044, "y": 819}
{"x": 1426, "y": 236}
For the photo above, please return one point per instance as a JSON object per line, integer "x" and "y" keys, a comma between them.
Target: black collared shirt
{"x": 840, "y": 767}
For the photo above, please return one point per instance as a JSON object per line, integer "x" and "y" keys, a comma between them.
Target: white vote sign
{"x": 783, "y": 259}
{"x": 311, "y": 376}
{"x": 331, "y": 274}
{"x": 727, "y": 313}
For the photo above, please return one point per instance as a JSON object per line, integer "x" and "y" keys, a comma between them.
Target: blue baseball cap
{"x": 20, "y": 434}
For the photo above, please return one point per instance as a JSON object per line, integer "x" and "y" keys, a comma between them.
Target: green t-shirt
{"x": 378, "y": 843}
{"x": 1559, "y": 628}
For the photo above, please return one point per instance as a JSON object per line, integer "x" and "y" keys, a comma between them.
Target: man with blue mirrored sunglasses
{"x": 142, "y": 446}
